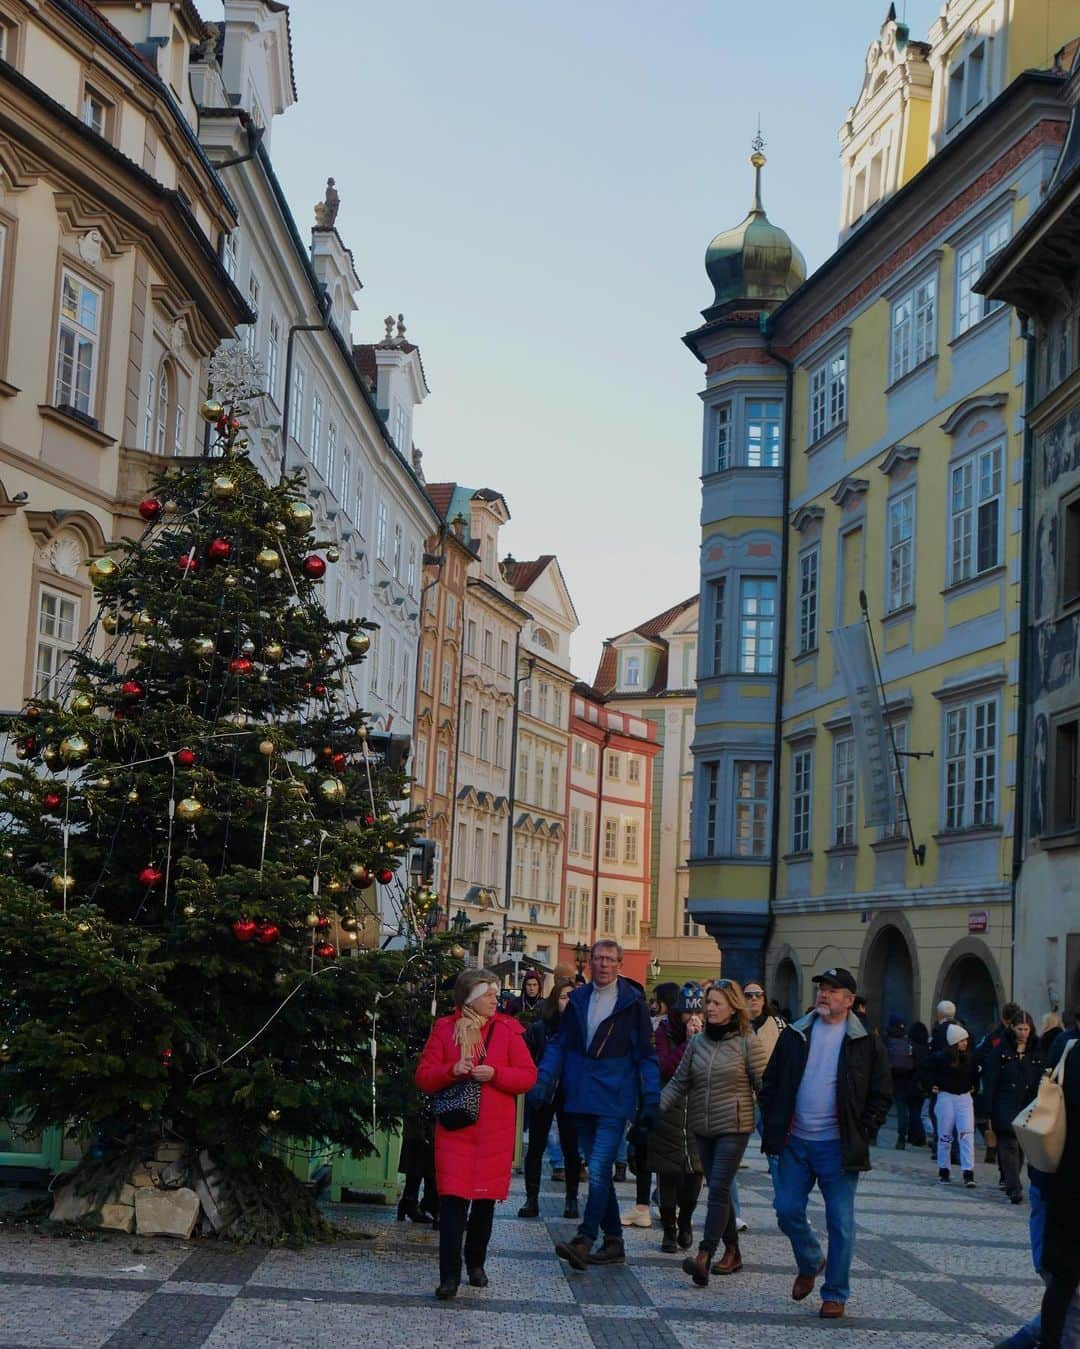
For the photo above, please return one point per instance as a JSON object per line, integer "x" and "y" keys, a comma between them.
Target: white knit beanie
{"x": 955, "y": 1034}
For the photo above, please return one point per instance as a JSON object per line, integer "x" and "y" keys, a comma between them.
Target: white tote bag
{"x": 1040, "y": 1126}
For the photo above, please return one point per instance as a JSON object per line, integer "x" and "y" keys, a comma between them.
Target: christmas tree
{"x": 197, "y": 827}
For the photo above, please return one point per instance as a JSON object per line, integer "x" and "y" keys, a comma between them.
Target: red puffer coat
{"x": 474, "y": 1163}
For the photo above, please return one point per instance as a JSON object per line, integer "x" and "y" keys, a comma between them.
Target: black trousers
{"x": 539, "y": 1128}
{"x": 679, "y": 1191}
{"x": 459, "y": 1218}
{"x": 1010, "y": 1160}
{"x": 1055, "y": 1306}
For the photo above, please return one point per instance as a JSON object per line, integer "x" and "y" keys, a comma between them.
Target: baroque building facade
{"x": 864, "y": 456}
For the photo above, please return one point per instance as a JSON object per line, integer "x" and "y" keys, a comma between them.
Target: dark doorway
{"x": 786, "y": 987}
{"x": 887, "y": 980}
{"x": 969, "y": 985}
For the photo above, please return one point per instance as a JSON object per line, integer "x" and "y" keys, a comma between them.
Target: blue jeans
{"x": 554, "y": 1147}
{"x": 599, "y": 1137}
{"x": 801, "y": 1163}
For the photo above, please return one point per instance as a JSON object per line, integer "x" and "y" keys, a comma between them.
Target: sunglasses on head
{"x": 722, "y": 983}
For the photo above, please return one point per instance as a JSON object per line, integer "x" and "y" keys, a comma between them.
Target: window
{"x": 382, "y": 530}
{"x": 442, "y": 764}
{"x": 913, "y": 328}
{"x": 470, "y": 637}
{"x": 519, "y": 872}
{"x": 421, "y": 760}
{"x": 77, "y": 344}
{"x": 500, "y": 742}
{"x": 574, "y": 845}
{"x": 630, "y": 916}
{"x": 251, "y": 333}
{"x": 971, "y": 738}
{"x": 630, "y": 842}
{"x": 482, "y": 747}
{"x": 150, "y": 412}
{"x": 465, "y": 741}
{"x": 762, "y": 434}
{"x": 331, "y": 456}
{"x": 802, "y": 796}
{"x": 712, "y": 802}
{"x": 526, "y": 697}
{"x": 557, "y": 708}
{"x": 966, "y": 88}
{"x": 460, "y": 860}
{"x": 273, "y": 346}
{"x": 446, "y": 689}
{"x": 828, "y": 395}
{"x": 689, "y": 927}
{"x": 493, "y": 858}
{"x": 587, "y": 832}
{"x": 57, "y": 634}
{"x": 844, "y": 791}
{"x": 542, "y": 701}
{"x": 608, "y": 910}
{"x": 373, "y": 660}
{"x": 757, "y": 625}
{"x": 633, "y": 769}
{"x": 722, "y": 437}
{"x": 410, "y": 570}
{"x": 571, "y": 908}
{"x": 716, "y": 615}
{"x": 1065, "y": 769}
{"x": 611, "y": 840}
{"x": 538, "y": 789}
{"x": 975, "y": 514}
{"x": 613, "y": 767}
{"x": 391, "y": 672}
{"x": 534, "y": 873}
{"x": 900, "y": 525}
{"x": 751, "y": 809}
{"x": 358, "y": 508}
{"x": 346, "y": 470}
{"x": 1070, "y": 550}
{"x": 451, "y": 612}
{"x": 228, "y": 243}
{"x": 401, "y": 427}
{"x": 478, "y": 856}
{"x": 631, "y": 672}
{"x": 898, "y": 775}
{"x": 971, "y": 260}
{"x": 554, "y": 802}
{"x": 523, "y": 772}
{"x": 808, "y": 600}
{"x": 397, "y": 551}
{"x": 489, "y": 647}
{"x": 296, "y": 411}
{"x": 504, "y": 658}
{"x": 549, "y": 876}
{"x": 579, "y": 754}
{"x": 427, "y": 666}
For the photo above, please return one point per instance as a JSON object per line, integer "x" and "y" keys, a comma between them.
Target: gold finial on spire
{"x": 757, "y": 159}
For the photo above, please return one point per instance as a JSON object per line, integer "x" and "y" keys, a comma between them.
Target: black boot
{"x": 612, "y": 1252}
{"x": 620, "y": 1170}
{"x": 408, "y": 1207}
{"x": 531, "y": 1206}
{"x": 686, "y": 1228}
{"x": 969, "y": 1179}
{"x": 670, "y": 1243}
{"x": 570, "y": 1208}
{"x": 901, "y": 1143}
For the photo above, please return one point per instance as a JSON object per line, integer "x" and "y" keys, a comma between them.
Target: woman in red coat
{"x": 473, "y": 1164}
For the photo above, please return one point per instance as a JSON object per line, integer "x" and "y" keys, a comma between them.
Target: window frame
{"x": 809, "y": 598}
{"x": 827, "y": 394}
{"x": 902, "y": 596}
{"x": 962, "y": 817}
{"x": 802, "y": 799}
{"x": 972, "y": 462}
{"x": 755, "y": 808}
{"x": 977, "y": 240}
{"x": 749, "y": 620}
{"x": 845, "y": 792}
{"x": 62, "y": 647}
{"x": 99, "y": 376}
{"x": 908, "y": 353}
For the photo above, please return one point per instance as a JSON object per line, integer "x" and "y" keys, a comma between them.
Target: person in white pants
{"x": 952, "y": 1075}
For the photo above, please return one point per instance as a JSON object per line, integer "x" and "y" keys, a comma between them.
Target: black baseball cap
{"x": 841, "y": 978}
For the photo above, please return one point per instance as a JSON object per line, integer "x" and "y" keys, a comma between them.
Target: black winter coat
{"x": 863, "y": 1089}
{"x": 1061, "y": 1242}
{"x": 956, "y": 1078}
{"x": 1009, "y": 1081}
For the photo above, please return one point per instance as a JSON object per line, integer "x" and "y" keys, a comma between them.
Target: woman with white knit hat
{"x": 952, "y": 1075}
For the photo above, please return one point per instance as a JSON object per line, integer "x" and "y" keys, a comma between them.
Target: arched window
{"x": 163, "y": 418}
{"x": 161, "y": 411}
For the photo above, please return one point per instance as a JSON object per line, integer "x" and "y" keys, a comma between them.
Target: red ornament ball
{"x": 322, "y": 922}
{"x": 313, "y": 567}
{"x": 188, "y": 561}
{"x": 151, "y": 877}
{"x": 244, "y": 929}
{"x": 51, "y": 800}
{"x": 217, "y": 550}
{"x": 268, "y": 933}
{"x": 131, "y": 688}
{"x": 325, "y": 950}
{"x": 32, "y": 713}
{"x": 338, "y": 762}
{"x": 319, "y": 690}
{"x": 185, "y": 757}
{"x": 150, "y": 509}
{"x": 385, "y": 876}
{"x": 166, "y": 1056}
{"x": 240, "y": 666}
{"x": 369, "y": 819}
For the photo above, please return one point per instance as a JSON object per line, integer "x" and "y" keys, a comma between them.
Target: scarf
{"x": 713, "y": 1032}
{"x": 469, "y": 1031}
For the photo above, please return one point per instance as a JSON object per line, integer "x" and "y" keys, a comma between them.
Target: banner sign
{"x": 851, "y": 647}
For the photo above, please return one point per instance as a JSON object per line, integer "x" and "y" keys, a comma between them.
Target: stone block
{"x": 166, "y": 1213}
{"x": 69, "y": 1207}
{"x": 118, "y": 1217}
{"x": 169, "y": 1151}
{"x": 125, "y": 1195}
{"x": 141, "y": 1177}
{"x": 211, "y": 1213}
{"x": 174, "y": 1174}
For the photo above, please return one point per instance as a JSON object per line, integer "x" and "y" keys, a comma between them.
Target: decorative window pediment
{"x": 806, "y": 517}
{"x": 899, "y": 454}
{"x": 849, "y": 488}
{"x": 980, "y": 402}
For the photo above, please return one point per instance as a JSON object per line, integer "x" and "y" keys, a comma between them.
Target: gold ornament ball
{"x": 81, "y": 704}
{"x": 189, "y": 910}
{"x": 51, "y": 755}
{"x": 266, "y": 748}
{"x": 62, "y": 884}
{"x": 273, "y": 652}
{"x": 203, "y": 647}
{"x": 312, "y": 919}
{"x": 333, "y": 554}
{"x": 300, "y": 518}
{"x": 349, "y": 924}
{"x": 223, "y": 488}
{"x": 109, "y": 623}
{"x": 296, "y": 787}
{"x": 5, "y": 1052}
{"x": 238, "y": 719}
{"x": 458, "y": 952}
{"x": 273, "y": 1116}
{"x": 101, "y": 568}
{"x": 133, "y": 797}
{"x": 82, "y": 927}
{"x": 268, "y": 560}
{"x": 103, "y": 783}
{"x": 332, "y": 791}
{"x": 143, "y": 647}
{"x": 22, "y": 752}
{"x": 9, "y": 854}
{"x": 278, "y": 527}
{"x": 189, "y": 809}
{"x": 143, "y": 621}
{"x": 229, "y": 580}
{"x": 211, "y": 410}
{"x": 334, "y": 886}
{"x": 392, "y": 845}
{"x": 358, "y": 643}
{"x": 74, "y": 749}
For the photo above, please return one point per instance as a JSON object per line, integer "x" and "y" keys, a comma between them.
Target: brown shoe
{"x": 698, "y": 1268}
{"x": 575, "y": 1253}
{"x": 804, "y": 1283}
{"x": 831, "y": 1311}
{"x": 730, "y": 1262}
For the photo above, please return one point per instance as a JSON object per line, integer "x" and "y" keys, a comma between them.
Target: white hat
{"x": 955, "y": 1034}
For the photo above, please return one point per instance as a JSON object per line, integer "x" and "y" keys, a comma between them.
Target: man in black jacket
{"x": 826, "y": 1091}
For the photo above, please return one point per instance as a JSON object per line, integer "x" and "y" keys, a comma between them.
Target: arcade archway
{"x": 887, "y": 975}
{"x": 969, "y": 978}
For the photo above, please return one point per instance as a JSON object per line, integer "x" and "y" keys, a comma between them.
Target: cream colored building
{"x": 112, "y": 297}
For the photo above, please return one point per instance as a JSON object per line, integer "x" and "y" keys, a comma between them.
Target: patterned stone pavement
{"x": 934, "y": 1267}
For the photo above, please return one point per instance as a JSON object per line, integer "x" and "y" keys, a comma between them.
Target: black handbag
{"x": 458, "y": 1105}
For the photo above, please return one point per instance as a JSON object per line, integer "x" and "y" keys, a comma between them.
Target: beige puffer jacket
{"x": 719, "y": 1092}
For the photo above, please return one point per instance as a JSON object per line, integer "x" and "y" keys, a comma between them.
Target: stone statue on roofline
{"x": 327, "y": 209}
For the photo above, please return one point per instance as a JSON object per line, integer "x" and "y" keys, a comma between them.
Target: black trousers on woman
{"x": 539, "y": 1128}
{"x": 459, "y": 1218}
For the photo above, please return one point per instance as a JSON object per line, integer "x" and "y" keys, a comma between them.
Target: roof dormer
{"x": 256, "y": 59}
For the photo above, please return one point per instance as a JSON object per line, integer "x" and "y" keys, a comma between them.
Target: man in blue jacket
{"x": 605, "y": 1058}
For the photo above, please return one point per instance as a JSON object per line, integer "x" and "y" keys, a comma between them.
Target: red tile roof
{"x": 440, "y": 494}
{"x": 607, "y": 670}
{"x": 521, "y": 575}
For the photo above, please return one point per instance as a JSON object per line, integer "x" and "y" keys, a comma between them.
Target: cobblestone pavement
{"x": 935, "y": 1266}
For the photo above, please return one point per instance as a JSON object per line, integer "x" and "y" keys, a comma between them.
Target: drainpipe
{"x": 785, "y": 549}
{"x": 1022, "y": 691}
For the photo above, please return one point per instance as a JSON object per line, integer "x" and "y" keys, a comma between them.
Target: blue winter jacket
{"x": 615, "y": 1075}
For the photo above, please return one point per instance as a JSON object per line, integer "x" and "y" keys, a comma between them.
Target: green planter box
{"x": 374, "y": 1177}
{"x": 303, "y": 1156}
{"x": 48, "y": 1151}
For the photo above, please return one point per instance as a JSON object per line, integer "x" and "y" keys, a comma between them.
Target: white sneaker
{"x": 741, "y": 1226}
{"x": 638, "y": 1216}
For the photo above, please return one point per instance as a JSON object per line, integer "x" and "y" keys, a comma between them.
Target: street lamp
{"x": 581, "y": 954}
{"x": 460, "y": 922}
{"x": 431, "y": 922}
{"x": 654, "y": 968}
{"x": 517, "y": 946}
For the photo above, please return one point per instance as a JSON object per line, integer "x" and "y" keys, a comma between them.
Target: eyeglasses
{"x": 754, "y": 992}
{"x": 605, "y": 960}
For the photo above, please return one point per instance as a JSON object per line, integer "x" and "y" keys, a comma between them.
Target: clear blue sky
{"x": 533, "y": 183}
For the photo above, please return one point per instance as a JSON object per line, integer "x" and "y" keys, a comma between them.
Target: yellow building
{"x": 897, "y": 393}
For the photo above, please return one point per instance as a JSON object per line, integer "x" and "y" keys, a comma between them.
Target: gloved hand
{"x": 648, "y": 1118}
{"x": 539, "y": 1096}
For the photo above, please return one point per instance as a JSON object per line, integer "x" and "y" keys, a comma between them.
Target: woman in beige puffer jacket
{"x": 719, "y": 1076}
